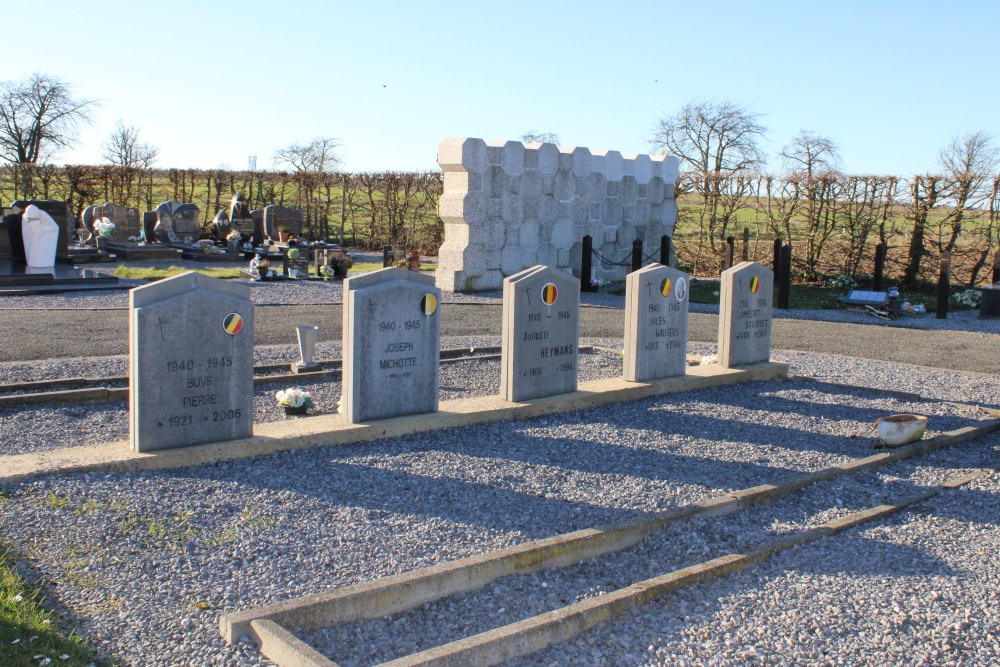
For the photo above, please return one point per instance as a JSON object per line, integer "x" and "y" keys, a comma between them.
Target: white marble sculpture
{"x": 41, "y": 234}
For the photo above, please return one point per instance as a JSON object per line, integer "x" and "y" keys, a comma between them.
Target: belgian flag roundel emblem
{"x": 549, "y": 294}
{"x": 428, "y": 304}
{"x": 754, "y": 284}
{"x": 233, "y": 323}
{"x": 665, "y": 287}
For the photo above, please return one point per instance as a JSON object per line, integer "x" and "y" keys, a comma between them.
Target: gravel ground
{"x": 145, "y": 563}
{"x": 687, "y": 543}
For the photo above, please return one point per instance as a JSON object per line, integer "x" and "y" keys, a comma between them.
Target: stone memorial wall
{"x": 540, "y": 334}
{"x": 507, "y": 206}
{"x": 656, "y": 323}
{"x": 745, "y": 297}
{"x": 392, "y": 342}
{"x": 190, "y": 362}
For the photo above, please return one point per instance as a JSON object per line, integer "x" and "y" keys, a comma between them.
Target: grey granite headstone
{"x": 176, "y": 223}
{"x": 126, "y": 221}
{"x": 392, "y": 336}
{"x": 278, "y": 217}
{"x": 190, "y": 362}
{"x": 540, "y": 333}
{"x": 746, "y": 294}
{"x": 656, "y": 323}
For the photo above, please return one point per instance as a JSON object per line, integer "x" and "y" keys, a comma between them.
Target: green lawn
{"x": 28, "y": 632}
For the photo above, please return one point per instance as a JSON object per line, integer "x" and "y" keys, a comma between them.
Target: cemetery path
{"x": 46, "y": 334}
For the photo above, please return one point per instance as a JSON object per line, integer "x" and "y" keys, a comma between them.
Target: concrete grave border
{"x": 333, "y": 429}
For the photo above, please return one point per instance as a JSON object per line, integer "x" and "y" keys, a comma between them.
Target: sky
{"x": 212, "y": 82}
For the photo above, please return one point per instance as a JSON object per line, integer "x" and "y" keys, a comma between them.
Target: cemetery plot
{"x": 392, "y": 335}
{"x": 746, "y": 293}
{"x": 540, "y": 334}
{"x": 656, "y": 323}
{"x": 190, "y": 362}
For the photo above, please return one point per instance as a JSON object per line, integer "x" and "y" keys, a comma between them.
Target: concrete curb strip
{"x": 333, "y": 429}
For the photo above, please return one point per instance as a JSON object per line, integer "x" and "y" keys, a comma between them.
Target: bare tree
{"x": 716, "y": 140}
{"x": 124, "y": 149}
{"x": 38, "y": 117}
{"x": 968, "y": 164}
{"x": 319, "y": 155}
{"x": 811, "y": 153}
{"x": 712, "y": 137}
{"x": 532, "y": 137}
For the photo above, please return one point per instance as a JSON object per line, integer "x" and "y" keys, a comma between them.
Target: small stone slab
{"x": 541, "y": 334}
{"x": 190, "y": 362}
{"x": 392, "y": 340}
{"x": 746, "y": 296}
{"x": 656, "y": 323}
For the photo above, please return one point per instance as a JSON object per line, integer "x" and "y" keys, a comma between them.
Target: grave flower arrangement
{"x": 103, "y": 228}
{"x": 968, "y": 298}
{"x": 841, "y": 282}
{"x": 326, "y": 271}
{"x": 341, "y": 264}
{"x": 234, "y": 236}
{"x": 294, "y": 400}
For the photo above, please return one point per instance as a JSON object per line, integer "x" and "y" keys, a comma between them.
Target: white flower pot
{"x": 900, "y": 429}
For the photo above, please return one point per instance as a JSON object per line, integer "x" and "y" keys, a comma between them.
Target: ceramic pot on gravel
{"x": 900, "y": 429}
{"x": 293, "y": 410}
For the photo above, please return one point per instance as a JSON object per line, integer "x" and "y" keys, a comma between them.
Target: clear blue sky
{"x": 210, "y": 83}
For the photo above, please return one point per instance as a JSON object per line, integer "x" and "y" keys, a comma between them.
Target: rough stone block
{"x": 642, "y": 169}
{"x": 512, "y": 158}
{"x": 628, "y": 191}
{"x": 565, "y": 186}
{"x": 531, "y": 184}
{"x": 548, "y": 159}
{"x": 463, "y": 154}
{"x": 512, "y": 209}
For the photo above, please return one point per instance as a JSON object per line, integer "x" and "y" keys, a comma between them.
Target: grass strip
{"x": 28, "y": 632}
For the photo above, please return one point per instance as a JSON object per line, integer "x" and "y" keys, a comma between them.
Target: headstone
{"x": 40, "y": 233}
{"x": 125, "y": 218}
{"x": 240, "y": 216}
{"x": 656, "y": 323}
{"x": 989, "y": 304}
{"x": 6, "y": 251}
{"x": 60, "y": 214}
{"x": 295, "y": 262}
{"x": 540, "y": 333}
{"x": 176, "y": 223}
{"x": 392, "y": 336}
{"x": 278, "y": 217}
{"x": 391, "y": 254}
{"x": 190, "y": 362}
{"x": 746, "y": 294}
{"x": 149, "y": 219}
{"x": 257, "y": 217}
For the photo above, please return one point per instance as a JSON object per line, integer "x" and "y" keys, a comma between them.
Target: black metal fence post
{"x": 586, "y": 264}
{"x": 996, "y": 267}
{"x": 776, "y": 266}
{"x": 746, "y": 244}
{"x": 636, "y": 254}
{"x": 728, "y": 252}
{"x": 944, "y": 278}
{"x": 665, "y": 250}
{"x": 784, "y": 277}
{"x": 880, "y": 251}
